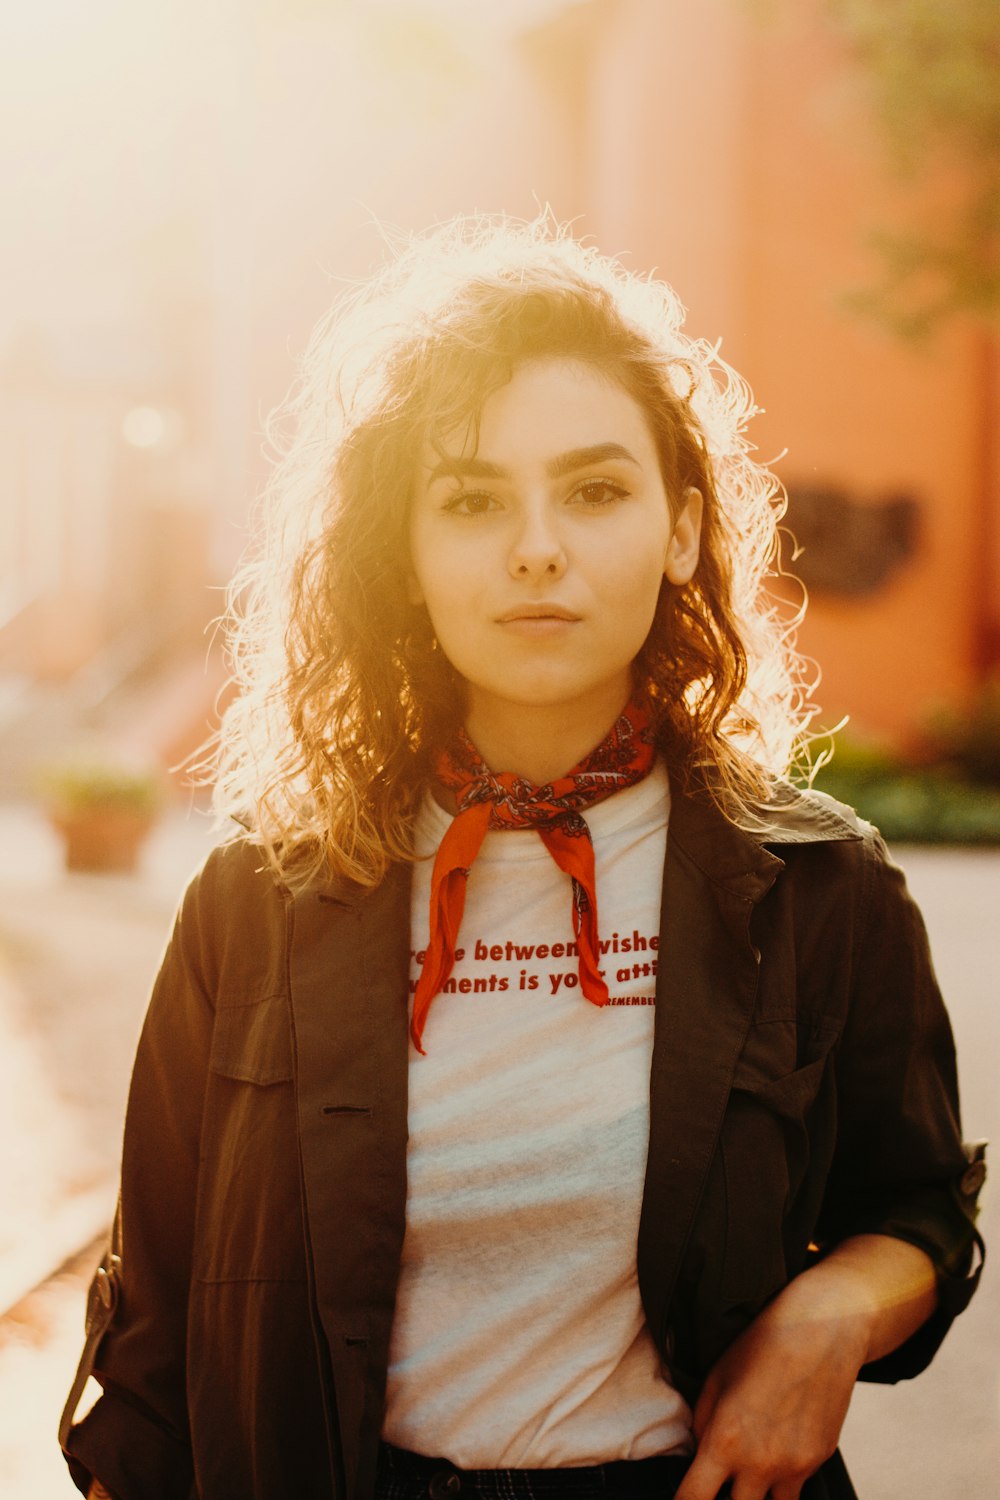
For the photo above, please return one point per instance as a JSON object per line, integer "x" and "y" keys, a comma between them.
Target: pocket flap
{"x": 781, "y": 1066}
{"x": 790, "y": 1095}
{"x": 253, "y": 1042}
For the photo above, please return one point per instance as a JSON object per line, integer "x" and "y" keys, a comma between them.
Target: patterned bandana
{"x": 487, "y": 801}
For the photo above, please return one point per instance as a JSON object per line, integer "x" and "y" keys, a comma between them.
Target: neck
{"x": 539, "y": 743}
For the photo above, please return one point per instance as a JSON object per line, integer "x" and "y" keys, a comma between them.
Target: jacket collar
{"x": 743, "y": 859}
{"x": 736, "y": 858}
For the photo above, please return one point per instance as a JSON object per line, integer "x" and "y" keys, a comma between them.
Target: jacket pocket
{"x": 776, "y": 1109}
{"x": 790, "y": 1095}
{"x": 249, "y": 1198}
{"x": 253, "y": 1043}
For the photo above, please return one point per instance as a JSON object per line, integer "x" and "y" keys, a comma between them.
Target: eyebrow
{"x": 556, "y": 468}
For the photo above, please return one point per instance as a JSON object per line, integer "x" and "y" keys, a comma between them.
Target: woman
{"x": 663, "y": 1152}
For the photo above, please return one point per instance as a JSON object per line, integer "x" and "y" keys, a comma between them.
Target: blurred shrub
{"x": 76, "y": 785}
{"x": 969, "y": 741}
{"x": 946, "y": 801}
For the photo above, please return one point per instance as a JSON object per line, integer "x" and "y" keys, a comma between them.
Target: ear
{"x": 685, "y": 540}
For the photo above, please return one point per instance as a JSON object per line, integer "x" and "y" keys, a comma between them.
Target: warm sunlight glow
{"x": 143, "y": 427}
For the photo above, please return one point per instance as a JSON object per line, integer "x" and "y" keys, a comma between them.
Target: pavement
{"x": 77, "y": 956}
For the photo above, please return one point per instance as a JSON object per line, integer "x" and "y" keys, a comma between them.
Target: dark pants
{"x": 411, "y": 1476}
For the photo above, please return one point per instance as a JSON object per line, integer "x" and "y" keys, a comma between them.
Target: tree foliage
{"x": 933, "y": 72}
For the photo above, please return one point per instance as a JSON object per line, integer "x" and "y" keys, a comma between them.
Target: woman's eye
{"x": 598, "y": 492}
{"x": 470, "y": 503}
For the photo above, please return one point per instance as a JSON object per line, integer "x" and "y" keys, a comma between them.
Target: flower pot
{"x": 104, "y": 839}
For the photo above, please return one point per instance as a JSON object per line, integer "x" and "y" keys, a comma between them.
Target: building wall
{"x": 739, "y": 159}
{"x": 260, "y": 169}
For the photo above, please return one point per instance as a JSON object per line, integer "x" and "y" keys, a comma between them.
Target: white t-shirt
{"x": 519, "y": 1339}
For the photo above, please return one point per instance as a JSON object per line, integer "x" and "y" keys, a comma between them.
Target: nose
{"x": 537, "y": 551}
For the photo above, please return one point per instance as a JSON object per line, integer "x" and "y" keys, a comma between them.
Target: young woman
{"x": 539, "y": 1095}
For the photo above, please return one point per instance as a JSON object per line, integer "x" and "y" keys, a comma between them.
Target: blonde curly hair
{"x": 343, "y": 693}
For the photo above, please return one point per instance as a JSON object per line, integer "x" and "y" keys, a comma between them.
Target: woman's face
{"x": 539, "y": 554}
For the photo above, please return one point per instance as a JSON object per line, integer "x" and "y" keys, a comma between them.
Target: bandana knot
{"x": 488, "y": 800}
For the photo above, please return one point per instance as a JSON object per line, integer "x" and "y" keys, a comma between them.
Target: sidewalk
{"x": 77, "y": 955}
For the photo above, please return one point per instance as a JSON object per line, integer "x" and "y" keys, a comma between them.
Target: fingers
{"x": 704, "y": 1480}
{"x": 705, "y": 1408}
{"x": 788, "y": 1489}
{"x": 734, "y": 1446}
{"x": 706, "y": 1477}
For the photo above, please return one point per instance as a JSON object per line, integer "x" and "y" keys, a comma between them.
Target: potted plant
{"x": 104, "y": 809}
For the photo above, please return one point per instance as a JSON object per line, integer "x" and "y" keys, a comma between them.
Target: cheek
{"x": 637, "y": 621}
{"x": 427, "y": 569}
{"x": 630, "y": 595}
{"x": 631, "y": 572}
{"x": 445, "y": 591}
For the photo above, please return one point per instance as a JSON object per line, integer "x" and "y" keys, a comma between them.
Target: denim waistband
{"x": 411, "y": 1476}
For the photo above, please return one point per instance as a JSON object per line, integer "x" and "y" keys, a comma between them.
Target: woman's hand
{"x": 772, "y": 1408}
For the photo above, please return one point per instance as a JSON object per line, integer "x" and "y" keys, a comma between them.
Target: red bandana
{"x": 488, "y": 801}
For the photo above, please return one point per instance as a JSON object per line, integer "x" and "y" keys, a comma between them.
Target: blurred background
{"x": 185, "y": 186}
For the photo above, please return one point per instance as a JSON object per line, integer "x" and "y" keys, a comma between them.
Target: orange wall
{"x": 750, "y": 176}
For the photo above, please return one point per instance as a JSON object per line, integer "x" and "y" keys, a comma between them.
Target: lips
{"x": 536, "y": 612}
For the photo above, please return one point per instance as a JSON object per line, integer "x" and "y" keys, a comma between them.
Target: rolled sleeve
{"x": 900, "y": 1167}
{"x": 130, "y": 1451}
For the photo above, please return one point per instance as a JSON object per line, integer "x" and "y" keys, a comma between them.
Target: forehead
{"x": 549, "y": 406}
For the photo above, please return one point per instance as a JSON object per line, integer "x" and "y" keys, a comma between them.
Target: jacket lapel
{"x": 715, "y": 873}
{"x": 706, "y": 987}
{"x": 348, "y": 959}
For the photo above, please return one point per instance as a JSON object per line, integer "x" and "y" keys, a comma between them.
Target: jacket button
{"x": 973, "y": 1178}
{"x": 444, "y": 1485}
{"x": 105, "y": 1289}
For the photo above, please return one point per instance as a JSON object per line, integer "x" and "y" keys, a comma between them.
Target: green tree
{"x": 933, "y": 72}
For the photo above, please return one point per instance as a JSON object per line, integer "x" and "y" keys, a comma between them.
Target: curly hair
{"x": 344, "y": 694}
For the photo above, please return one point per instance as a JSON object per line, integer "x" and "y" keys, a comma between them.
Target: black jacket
{"x": 802, "y": 1090}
